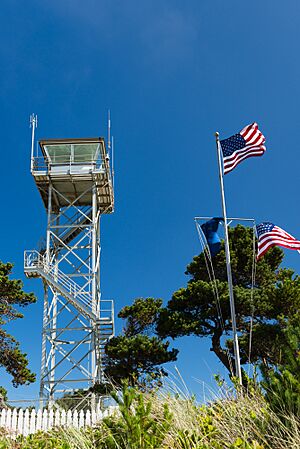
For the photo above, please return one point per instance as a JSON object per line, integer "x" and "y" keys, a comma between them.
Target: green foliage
{"x": 136, "y": 428}
{"x": 168, "y": 421}
{"x": 140, "y": 352}
{"x": 3, "y": 396}
{"x": 275, "y": 301}
{"x": 40, "y": 440}
{"x": 203, "y": 438}
{"x": 141, "y": 316}
{"x": 102, "y": 389}
{"x": 242, "y": 444}
{"x": 11, "y": 357}
{"x": 79, "y": 398}
{"x": 282, "y": 383}
{"x": 137, "y": 356}
{"x": 193, "y": 440}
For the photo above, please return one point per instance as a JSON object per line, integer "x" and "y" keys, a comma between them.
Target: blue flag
{"x": 209, "y": 229}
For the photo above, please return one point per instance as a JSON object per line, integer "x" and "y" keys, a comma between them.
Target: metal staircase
{"x": 36, "y": 266}
{"x": 78, "y": 222}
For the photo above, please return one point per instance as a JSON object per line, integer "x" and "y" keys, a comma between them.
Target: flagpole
{"x": 238, "y": 371}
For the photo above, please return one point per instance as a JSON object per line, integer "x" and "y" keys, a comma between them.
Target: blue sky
{"x": 172, "y": 73}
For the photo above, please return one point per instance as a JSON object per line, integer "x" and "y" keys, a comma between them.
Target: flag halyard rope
{"x": 212, "y": 278}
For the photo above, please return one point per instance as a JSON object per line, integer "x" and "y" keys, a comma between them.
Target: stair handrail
{"x": 33, "y": 259}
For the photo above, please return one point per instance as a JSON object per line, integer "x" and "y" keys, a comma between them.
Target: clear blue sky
{"x": 172, "y": 73}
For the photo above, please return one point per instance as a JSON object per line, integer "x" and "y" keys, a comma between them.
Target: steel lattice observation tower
{"x": 75, "y": 181}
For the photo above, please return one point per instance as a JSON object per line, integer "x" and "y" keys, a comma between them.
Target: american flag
{"x": 247, "y": 143}
{"x": 271, "y": 235}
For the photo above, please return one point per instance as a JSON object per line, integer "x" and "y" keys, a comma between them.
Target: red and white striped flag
{"x": 247, "y": 143}
{"x": 270, "y": 235}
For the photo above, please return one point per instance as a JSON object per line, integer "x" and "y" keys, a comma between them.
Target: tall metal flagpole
{"x": 238, "y": 371}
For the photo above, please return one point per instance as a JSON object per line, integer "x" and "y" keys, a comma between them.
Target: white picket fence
{"x": 27, "y": 421}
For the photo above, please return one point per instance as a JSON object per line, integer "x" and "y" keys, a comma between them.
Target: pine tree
{"x": 193, "y": 310}
{"x": 282, "y": 382}
{"x": 12, "y": 359}
{"x": 137, "y": 356}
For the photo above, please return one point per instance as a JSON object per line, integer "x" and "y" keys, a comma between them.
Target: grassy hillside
{"x": 164, "y": 420}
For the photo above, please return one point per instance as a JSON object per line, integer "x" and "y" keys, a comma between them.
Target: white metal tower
{"x": 74, "y": 179}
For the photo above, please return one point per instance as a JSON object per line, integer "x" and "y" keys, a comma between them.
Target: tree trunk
{"x": 222, "y": 354}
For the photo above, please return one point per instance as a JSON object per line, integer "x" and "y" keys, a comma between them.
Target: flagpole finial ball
{"x": 217, "y": 134}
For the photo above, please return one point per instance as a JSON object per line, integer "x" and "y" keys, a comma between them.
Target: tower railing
{"x": 42, "y": 163}
{"x": 36, "y": 264}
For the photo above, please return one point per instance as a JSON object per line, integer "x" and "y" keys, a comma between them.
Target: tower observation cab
{"x": 72, "y": 165}
{"x": 75, "y": 181}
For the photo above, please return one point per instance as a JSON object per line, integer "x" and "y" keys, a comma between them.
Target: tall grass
{"x": 169, "y": 419}
{"x": 228, "y": 422}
